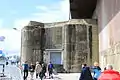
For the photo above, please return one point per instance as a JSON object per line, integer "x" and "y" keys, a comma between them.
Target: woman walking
{"x": 38, "y": 69}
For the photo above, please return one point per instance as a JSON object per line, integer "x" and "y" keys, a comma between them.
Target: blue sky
{"x": 17, "y": 14}
{"x": 13, "y": 10}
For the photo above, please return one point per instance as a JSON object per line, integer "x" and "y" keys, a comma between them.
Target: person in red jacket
{"x": 109, "y": 74}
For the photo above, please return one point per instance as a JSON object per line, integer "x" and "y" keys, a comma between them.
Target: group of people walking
{"x": 86, "y": 73}
{"x": 39, "y": 69}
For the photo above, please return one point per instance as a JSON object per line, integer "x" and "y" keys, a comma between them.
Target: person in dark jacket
{"x": 85, "y": 73}
{"x": 50, "y": 70}
{"x": 32, "y": 70}
{"x": 43, "y": 70}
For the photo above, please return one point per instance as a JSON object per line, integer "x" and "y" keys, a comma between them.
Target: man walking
{"x": 50, "y": 70}
{"x": 25, "y": 70}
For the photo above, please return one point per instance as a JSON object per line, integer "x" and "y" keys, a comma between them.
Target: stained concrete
{"x": 77, "y": 38}
{"x": 32, "y": 42}
{"x": 79, "y": 44}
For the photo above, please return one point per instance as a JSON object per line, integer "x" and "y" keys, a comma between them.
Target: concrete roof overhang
{"x": 82, "y": 9}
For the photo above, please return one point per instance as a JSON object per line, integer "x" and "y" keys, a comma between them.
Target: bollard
{"x": 109, "y": 75}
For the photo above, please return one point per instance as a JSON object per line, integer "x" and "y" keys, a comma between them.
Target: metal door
{"x": 55, "y": 57}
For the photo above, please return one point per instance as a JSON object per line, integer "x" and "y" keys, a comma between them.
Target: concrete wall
{"x": 53, "y": 37}
{"x": 80, "y": 43}
{"x": 26, "y": 44}
{"x": 32, "y": 43}
{"x": 77, "y": 40}
{"x": 108, "y": 14}
{"x": 95, "y": 42}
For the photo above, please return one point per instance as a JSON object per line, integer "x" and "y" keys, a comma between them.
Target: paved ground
{"x": 71, "y": 76}
{"x": 14, "y": 72}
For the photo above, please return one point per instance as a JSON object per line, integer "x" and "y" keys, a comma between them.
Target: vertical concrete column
{"x": 76, "y": 46}
{"x": 88, "y": 46}
{"x": 67, "y": 48}
{"x": 80, "y": 46}
{"x": 32, "y": 44}
{"x": 95, "y": 43}
{"x": 38, "y": 43}
{"x": 27, "y": 44}
{"x": 73, "y": 44}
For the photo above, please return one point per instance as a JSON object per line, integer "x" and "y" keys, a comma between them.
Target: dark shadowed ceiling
{"x": 82, "y": 9}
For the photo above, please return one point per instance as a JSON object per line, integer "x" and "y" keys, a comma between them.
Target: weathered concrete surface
{"x": 39, "y": 43}
{"x": 53, "y": 37}
{"x": 76, "y": 46}
{"x": 32, "y": 43}
{"x": 77, "y": 38}
{"x": 79, "y": 44}
{"x": 27, "y": 43}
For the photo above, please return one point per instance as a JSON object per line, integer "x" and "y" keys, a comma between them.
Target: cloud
{"x": 58, "y": 11}
{"x": 12, "y": 40}
{"x": 20, "y": 23}
{"x": 44, "y": 8}
{"x": 53, "y": 13}
{"x": 65, "y": 7}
